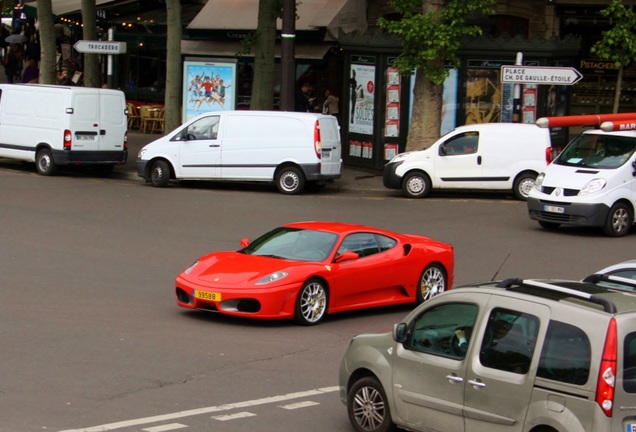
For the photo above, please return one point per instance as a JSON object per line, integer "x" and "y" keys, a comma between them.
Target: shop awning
{"x": 230, "y": 49}
{"x": 347, "y": 15}
{"x": 61, "y": 7}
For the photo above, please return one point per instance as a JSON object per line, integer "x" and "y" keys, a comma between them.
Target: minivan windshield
{"x": 597, "y": 151}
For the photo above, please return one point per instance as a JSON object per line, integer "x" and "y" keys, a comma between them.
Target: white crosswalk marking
{"x": 166, "y": 427}
{"x": 297, "y": 405}
{"x": 234, "y": 416}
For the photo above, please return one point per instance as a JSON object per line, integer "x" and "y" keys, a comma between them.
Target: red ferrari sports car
{"x": 306, "y": 270}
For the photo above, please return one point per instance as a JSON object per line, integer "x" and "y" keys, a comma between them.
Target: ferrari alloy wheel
{"x": 368, "y": 408}
{"x": 432, "y": 281}
{"x": 311, "y": 305}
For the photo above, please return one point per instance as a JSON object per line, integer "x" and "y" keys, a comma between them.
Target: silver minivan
{"x": 515, "y": 355}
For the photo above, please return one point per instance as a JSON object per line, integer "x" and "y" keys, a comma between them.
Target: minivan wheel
{"x": 290, "y": 181}
{"x": 368, "y": 407}
{"x": 523, "y": 185}
{"x": 416, "y": 185}
{"x": 619, "y": 220}
{"x": 44, "y": 162}
{"x": 432, "y": 282}
{"x": 159, "y": 173}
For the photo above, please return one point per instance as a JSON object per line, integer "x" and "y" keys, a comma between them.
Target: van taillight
{"x": 68, "y": 139}
{"x": 126, "y": 140}
{"x": 317, "y": 142}
{"x": 548, "y": 155}
{"x": 607, "y": 371}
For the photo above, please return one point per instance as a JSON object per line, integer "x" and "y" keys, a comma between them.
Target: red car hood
{"x": 232, "y": 268}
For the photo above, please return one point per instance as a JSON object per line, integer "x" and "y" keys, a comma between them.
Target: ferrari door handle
{"x": 476, "y": 383}
{"x": 454, "y": 378}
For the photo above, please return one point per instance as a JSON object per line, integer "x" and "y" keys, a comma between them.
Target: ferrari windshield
{"x": 294, "y": 244}
{"x": 597, "y": 151}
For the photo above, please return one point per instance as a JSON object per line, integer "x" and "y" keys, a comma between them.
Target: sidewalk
{"x": 353, "y": 179}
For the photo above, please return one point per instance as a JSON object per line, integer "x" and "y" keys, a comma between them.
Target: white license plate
{"x": 554, "y": 209}
{"x": 631, "y": 427}
{"x": 326, "y": 155}
{"x": 85, "y": 137}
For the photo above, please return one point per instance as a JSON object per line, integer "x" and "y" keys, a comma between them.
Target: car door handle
{"x": 476, "y": 383}
{"x": 454, "y": 378}
{"x": 214, "y": 145}
{"x": 478, "y": 160}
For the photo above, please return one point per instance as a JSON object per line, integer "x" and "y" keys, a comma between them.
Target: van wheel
{"x": 290, "y": 181}
{"x": 523, "y": 185}
{"x": 416, "y": 185}
{"x": 368, "y": 407}
{"x": 44, "y": 162}
{"x": 619, "y": 220}
{"x": 159, "y": 173}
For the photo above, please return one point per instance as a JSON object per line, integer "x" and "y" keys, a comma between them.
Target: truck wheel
{"x": 44, "y": 162}
{"x": 523, "y": 185}
{"x": 159, "y": 173}
{"x": 368, "y": 407}
{"x": 416, "y": 185}
{"x": 619, "y": 220}
{"x": 290, "y": 181}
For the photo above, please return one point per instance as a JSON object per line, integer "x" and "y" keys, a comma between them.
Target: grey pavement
{"x": 353, "y": 179}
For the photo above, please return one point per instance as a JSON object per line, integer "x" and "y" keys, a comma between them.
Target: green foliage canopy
{"x": 618, "y": 44}
{"x": 433, "y": 38}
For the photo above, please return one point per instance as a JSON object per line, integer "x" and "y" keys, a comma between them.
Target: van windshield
{"x": 597, "y": 151}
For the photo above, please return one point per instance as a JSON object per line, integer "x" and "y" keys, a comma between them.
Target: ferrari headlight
{"x": 593, "y": 186}
{"x": 273, "y": 277}
{"x": 189, "y": 269}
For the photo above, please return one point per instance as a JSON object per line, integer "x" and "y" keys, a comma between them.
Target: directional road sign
{"x": 100, "y": 47}
{"x": 540, "y": 75}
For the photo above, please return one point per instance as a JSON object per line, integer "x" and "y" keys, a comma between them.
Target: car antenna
{"x": 499, "y": 269}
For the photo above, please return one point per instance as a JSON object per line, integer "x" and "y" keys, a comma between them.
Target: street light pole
{"x": 288, "y": 68}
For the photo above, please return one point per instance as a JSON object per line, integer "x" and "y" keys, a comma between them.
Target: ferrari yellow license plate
{"x": 207, "y": 295}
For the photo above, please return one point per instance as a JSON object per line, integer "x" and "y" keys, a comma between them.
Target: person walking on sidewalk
{"x": 12, "y": 62}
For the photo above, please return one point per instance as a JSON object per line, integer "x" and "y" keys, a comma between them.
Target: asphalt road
{"x": 91, "y": 338}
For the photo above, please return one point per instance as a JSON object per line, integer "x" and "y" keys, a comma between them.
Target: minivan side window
{"x": 461, "y": 144}
{"x": 509, "y": 341}
{"x": 629, "y": 363}
{"x": 436, "y": 330}
{"x": 566, "y": 354}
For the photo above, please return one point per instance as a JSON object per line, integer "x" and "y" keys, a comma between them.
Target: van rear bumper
{"x": 593, "y": 215}
{"x": 64, "y": 157}
{"x": 312, "y": 173}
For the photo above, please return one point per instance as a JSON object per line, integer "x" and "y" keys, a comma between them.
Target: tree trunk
{"x": 48, "y": 74}
{"x": 264, "y": 57}
{"x": 617, "y": 92}
{"x": 91, "y": 65}
{"x": 172, "y": 100}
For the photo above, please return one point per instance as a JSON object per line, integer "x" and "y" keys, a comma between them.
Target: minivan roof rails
{"x": 608, "y": 306}
{"x": 594, "y": 278}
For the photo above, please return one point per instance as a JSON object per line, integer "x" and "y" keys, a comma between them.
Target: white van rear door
{"x": 330, "y": 161}
{"x": 113, "y": 122}
{"x": 84, "y": 124}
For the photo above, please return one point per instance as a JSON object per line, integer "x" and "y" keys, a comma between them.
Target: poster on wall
{"x": 393, "y": 89}
{"x": 362, "y": 96}
{"x": 483, "y": 92}
{"x": 208, "y": 86}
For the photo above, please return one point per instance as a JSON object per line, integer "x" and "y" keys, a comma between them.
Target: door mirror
{"x": 400, "y": 332}
{"x": 347, "y": 256}
{"x": 442, "y": 150}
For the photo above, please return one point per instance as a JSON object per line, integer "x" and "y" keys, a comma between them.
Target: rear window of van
{"x": 629, "y": 363}
{"x": 566, "y": 354}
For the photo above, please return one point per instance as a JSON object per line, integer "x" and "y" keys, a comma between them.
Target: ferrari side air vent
{"x": 407, "y": 249}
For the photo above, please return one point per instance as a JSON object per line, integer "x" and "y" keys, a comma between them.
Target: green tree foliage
{"x": 431, "y": 32}
{"x": 618, "y": 44}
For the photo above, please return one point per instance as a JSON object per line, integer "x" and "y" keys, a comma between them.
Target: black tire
{"x": 368, "y": 407}
{"x": 432, "y": 281}
{"x": 416, "y": 185}
{"x": 311, "y": 304}
{"x": 44, "y": 162}
{"x": 159, "y": 173}
{"x": 619, "y": 220}
{"x": 290, "y": 181}
{"x": 523, "y": 184}
{"x": 549, "y": 225}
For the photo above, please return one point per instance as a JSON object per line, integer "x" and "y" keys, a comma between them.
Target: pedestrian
{"x": 304, "y": 101}
{"x": 12, "y": 63}
{"x": 330, "y": 105}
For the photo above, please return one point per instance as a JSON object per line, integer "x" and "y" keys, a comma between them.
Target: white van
{"x": 591, "y": 183}
{"x": 289, "y": 148}
{"x": 491, "y": 156}
{"x": 58, "y": 125}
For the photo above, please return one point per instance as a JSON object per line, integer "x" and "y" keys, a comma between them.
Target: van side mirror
{"x": 442, "y": 150}
{"x": 400, "y": 332}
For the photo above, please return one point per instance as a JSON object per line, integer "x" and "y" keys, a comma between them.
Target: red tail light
{"x": 68, "y": 139}
{"x": 548, "y": 155}
{"x": 317, "y": 141}
{"x": 126, "y": 140}
{"x": 607, "y": 371}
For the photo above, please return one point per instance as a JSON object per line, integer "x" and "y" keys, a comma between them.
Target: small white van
{"x": 291, "y": 149}
{"x": 591, "y": 183}
{"x": 490, "y": 156}
{"x": 59, "y": 125}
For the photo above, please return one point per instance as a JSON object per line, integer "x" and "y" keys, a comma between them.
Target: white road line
{"x": 164, "y": 428}
{"x": 239, "y": 415}
{"x": 297, "y": 405}
{"x": 206, "y": 410}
